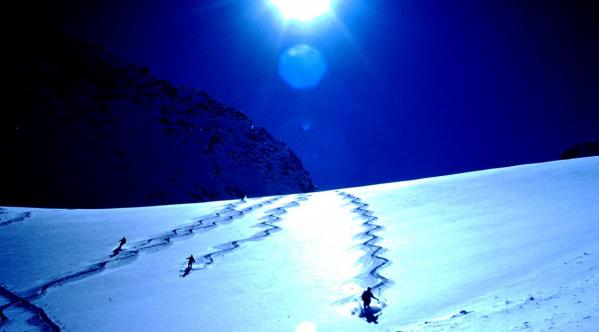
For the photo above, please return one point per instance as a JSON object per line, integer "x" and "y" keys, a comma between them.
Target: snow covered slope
{"x": 498, "y": 250}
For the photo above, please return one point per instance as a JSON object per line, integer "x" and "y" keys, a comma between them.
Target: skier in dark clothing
{"x": 121, "y": 243}
{"x": 367, "y": 296}
{"x": 120, "y": 247}
{"x": 190, "y": 261}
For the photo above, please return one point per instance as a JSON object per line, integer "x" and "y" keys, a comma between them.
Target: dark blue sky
{"x": 413, "y": 88}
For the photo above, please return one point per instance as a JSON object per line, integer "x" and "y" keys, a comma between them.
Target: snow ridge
{"x": 22, "y": 216}
{"x": 373, "y": 248}
{"x": 15, "y": 300}
{"x": 273, "y": 215}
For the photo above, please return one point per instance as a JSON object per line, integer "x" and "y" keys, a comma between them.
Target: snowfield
{"x": 498, "y": 250}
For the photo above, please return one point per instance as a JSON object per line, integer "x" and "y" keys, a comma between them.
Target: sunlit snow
{"x": 498, "y": 250}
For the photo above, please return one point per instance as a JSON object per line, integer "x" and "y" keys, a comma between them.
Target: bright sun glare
{"x": 302, "y": 10}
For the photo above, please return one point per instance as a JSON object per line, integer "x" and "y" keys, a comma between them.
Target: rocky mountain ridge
{"x": 87, "y": 129}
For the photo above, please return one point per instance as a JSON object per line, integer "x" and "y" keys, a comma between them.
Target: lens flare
{"x": 302, "y": 10}
{"x": 302, "y": 66}
{"x": 306, "y": 125}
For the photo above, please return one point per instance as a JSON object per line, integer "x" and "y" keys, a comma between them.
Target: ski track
{"x": 20, "y": 217}
{"x": 273, "y": 216}
{"x": 203, "y": 224}
{"x": 126, "y": 256}
{"x": 15, "y": 300}
{"x": 373, "y": 249}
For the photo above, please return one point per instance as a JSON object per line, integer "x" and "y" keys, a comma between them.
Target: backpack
{"x": 365, "y": 296}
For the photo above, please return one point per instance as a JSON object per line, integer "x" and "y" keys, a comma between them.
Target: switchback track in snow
{"x": 43, "y": 321}
{"x": 20, "y": 217}
{"x": 269, "y": 219}
{"x": 126, "y": 256}
{"x": 374, "y": 250}
{"x": 228, "y": 214}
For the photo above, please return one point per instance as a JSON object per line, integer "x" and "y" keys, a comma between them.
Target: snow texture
{"x": 499, "y": 250}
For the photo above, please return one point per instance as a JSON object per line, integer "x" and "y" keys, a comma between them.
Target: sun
{"x": 302, "y": 10}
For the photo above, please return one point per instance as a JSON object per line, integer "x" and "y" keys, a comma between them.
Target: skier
{"x": 121, "y": 243}
{"x": 367, "y": 296}
{"x": 190, "y": 261}
{"x": 119, "y": 248}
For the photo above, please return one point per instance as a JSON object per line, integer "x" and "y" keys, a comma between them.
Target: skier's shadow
{"x": 186, "y": 272}
{"x": 371, "y": 314}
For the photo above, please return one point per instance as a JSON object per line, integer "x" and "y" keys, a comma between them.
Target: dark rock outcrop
{"x": 586, "y": 149}
{"x": 84, "y": 128}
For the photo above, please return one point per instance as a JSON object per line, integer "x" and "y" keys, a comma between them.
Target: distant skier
{"x": 120, "y": 247}
{"x": 190, "y": 261}
{"x": 121, "y": 243}
{"x": 367, "y": 296}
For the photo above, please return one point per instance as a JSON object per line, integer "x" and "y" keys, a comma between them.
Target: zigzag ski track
{"x": 272, "y": 217}
{"x": 226, "y": 215}
{"x": 374, "y": 250}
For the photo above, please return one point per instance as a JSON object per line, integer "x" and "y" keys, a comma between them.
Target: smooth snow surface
{"x": 498, "y": 250}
